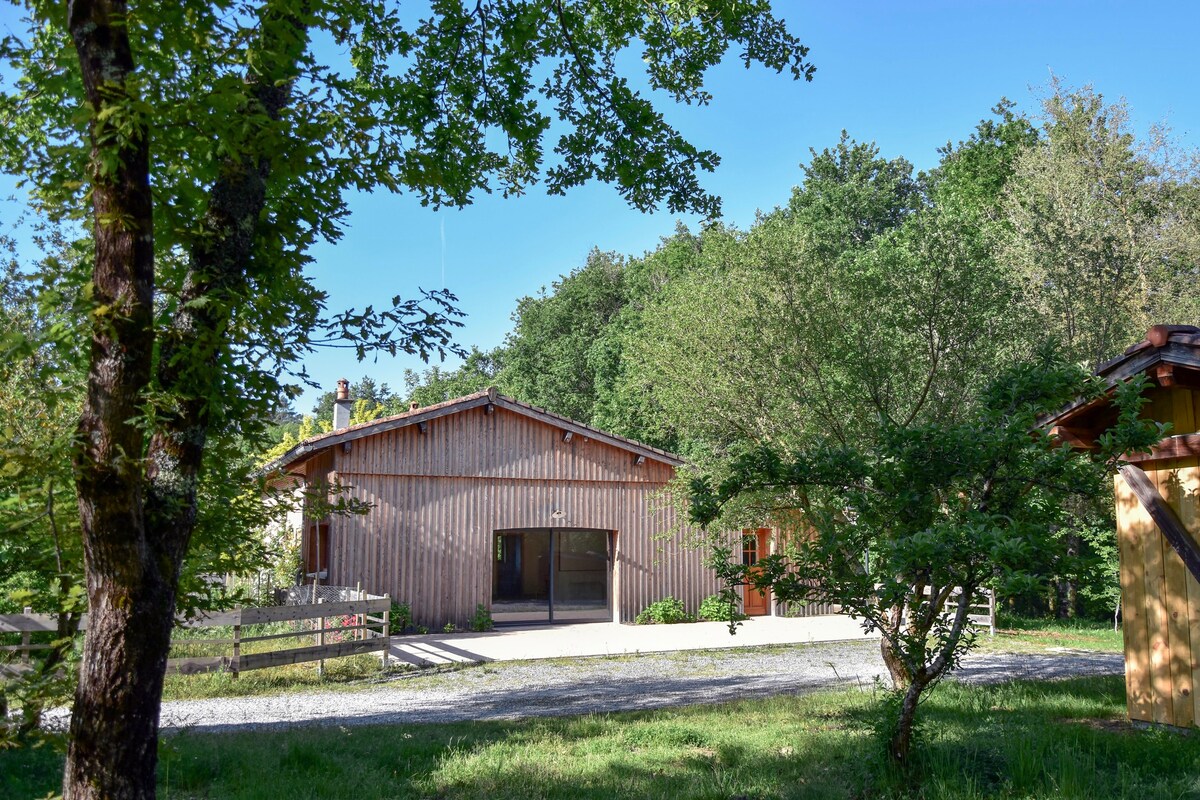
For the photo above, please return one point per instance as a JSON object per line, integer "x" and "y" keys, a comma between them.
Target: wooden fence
{"x": 982, "y": 612}
{"x": 367, "y": 632}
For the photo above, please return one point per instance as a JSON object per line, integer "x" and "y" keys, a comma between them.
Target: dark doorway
{"x": 551, "y": 575}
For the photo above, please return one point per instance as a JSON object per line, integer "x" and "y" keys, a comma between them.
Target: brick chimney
{"x": 343, "y": 406}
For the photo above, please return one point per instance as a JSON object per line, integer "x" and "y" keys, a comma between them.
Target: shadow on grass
{"x": 1010, "y": 740}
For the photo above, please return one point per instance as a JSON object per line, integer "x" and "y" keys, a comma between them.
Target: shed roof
{"x": 1169, "y": 354}
{"x": 490, "y": 396}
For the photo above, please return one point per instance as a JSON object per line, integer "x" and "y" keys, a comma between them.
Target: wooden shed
{"x": 485, "y": 500}
{"x": 1158, "y": 524}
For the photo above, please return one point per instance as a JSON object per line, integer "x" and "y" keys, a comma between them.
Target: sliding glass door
{"x": 551, "y": 575}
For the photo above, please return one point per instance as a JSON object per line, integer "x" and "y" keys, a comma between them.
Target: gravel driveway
{"x": 579, "y": 686}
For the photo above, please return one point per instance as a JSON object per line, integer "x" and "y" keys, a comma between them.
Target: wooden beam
{"x": 1164, "y": 517}
{"x": 1164, "y": 375}
{"x": 1185, "y": 445}
{"x": 1079, "y": 438}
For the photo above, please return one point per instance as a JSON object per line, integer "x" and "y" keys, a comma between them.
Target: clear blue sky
{"x": 910, "y": 76}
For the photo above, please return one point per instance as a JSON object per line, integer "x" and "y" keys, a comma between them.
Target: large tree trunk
{"x": 114, "y": 725}
{"x": 137, "y": 498}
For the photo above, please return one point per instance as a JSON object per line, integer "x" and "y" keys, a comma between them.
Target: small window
{"x": 749, "y": 549}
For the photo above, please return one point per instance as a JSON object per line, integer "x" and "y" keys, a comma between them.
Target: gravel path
{"x": 527, "y": 689}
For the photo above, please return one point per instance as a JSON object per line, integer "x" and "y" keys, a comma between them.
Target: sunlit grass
{"x": 1017, "y": 740}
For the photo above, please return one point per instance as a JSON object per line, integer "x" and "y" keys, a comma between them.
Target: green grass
{"x": 1020, "y": 635}
{"x": 1019, "y": 740}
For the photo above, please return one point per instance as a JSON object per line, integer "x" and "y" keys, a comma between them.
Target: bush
{"x": 664, "y": 612}
{"x": 482, "y": 621}
{"x": 715, "y": 609}
{"x": 400, "y": 618}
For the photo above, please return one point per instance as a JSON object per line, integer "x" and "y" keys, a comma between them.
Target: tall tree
{"x": 1103, "y": 229}
{"x": 213, "y": 146}
{"x": 548, "y": 354}
{"x": 904, "y": 530}
{"x": 856, "y": 306}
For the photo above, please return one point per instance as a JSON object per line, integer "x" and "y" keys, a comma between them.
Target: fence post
{"x": 992, "y": 611}
{"x": 25, "y": 640}
{"x": 387, "y": 631}
{"x": 320, "y": 642}
{"x": 236, "y": 666}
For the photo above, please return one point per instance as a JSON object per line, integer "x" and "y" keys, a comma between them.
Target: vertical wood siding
{"x": 1160, "y": 599}
{"x": 439, "y": 495}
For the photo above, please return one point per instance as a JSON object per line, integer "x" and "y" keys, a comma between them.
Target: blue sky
{"x": 910, "y": 76}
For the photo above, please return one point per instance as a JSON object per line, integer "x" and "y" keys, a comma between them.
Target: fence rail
{"x": 369, "y": 632}
{"x": 982, "y": 612}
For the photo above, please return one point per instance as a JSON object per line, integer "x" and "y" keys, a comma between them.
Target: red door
{"x": 754, "y": 546}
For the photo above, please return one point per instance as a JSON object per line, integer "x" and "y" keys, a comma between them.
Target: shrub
{"x": 482, "y": 621}
{"x": 717, "y": 610}
{"x": 664, "y": 612}
{"x": 400, "y": 618}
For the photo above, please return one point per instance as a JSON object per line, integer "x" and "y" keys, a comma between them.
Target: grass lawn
{"x": 1019, "y": 740}
{"x": 1019, "y": 635}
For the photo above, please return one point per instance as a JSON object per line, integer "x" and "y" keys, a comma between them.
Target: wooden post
{"x": 387, "y": 633}
{"x": 320, "y": 641}
{"x": 992, "y": 612}
{"x": 237, "y": 648}
{"x": 25, "y": 640}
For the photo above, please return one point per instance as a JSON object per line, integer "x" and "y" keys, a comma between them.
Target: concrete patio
{"x": 607, "y": 639}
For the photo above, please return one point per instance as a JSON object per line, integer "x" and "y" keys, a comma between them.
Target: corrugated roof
{"x": 315, "y": 444}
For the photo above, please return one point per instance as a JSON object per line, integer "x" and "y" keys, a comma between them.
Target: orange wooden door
{"x": 754, "y": 547}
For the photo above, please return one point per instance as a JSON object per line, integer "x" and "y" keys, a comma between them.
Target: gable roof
{"x": 490, "y": 396}
{"x": 1169, "y": 354}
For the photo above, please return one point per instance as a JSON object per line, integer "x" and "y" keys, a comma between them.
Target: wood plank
{"x": 1156, "y": 588}
{"x": 297, "y": 634}
{"x": 1133, "y": 525}
{"x": 215, "y": 619}
{"x": 1186, "y": 445}
{"x": 1189, "y": 513}
{"x": 299, "y": 655}
{"x": 33, "y": 623}
{"x": 198, "y": 665}
{"x": 258, "y": 616}
{"x": 16, "y": 648}
{"x": 1176, "y": 594}
{"x": 1164, "y": 517}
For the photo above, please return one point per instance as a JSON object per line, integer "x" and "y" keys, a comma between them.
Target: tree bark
{"x": 137, "y": 498}
{"x": 114, "y": 724}
{"x": 900, "y": 745}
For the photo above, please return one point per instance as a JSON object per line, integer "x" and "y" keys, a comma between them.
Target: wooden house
{"x": 485, "y": 500}
{"x": 1158, "y": 524}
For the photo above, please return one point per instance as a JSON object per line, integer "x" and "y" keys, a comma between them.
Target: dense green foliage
{"x": 716, "y": 608}
{"x": 904, "y": 531}
{"x": 1005, "y": 742}
{"x": 667, "y": 611}
{"x": 877, "y": 298}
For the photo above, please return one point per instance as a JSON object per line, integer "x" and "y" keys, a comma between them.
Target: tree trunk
{"x": 900, "y": 745}
{"x": 899, "y": 671}
{"x": 114, "y": 724}
{"x": 137, "y": 498}
{"x": 901, "y": 675}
